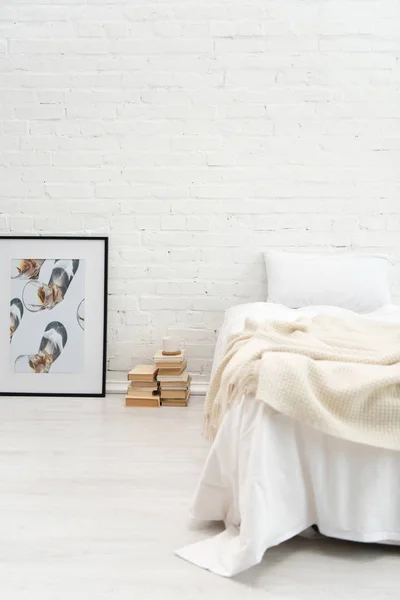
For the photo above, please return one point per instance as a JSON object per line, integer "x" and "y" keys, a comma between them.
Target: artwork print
{"x": 47, "y": 315}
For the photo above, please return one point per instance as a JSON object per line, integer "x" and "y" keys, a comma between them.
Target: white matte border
{"x": 91, "y": 380}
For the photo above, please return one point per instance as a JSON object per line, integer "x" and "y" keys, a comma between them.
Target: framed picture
{"x": 53, "y": 316}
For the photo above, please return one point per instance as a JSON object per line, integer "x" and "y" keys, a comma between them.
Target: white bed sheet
{"x": 270, "y": 478}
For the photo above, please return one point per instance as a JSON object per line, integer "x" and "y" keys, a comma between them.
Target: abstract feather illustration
{"x": 38, "y": 342}
{"x": 16, "y": 314}
{"x": 27, "y": 268}
{"x": 51, "y": 346}
{"x": 38, "y": 296}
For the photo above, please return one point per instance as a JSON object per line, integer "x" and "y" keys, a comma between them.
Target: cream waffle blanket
{"x": 338, "y": 375}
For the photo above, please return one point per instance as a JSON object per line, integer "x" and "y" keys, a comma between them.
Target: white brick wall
{"x": 196, "y": 134}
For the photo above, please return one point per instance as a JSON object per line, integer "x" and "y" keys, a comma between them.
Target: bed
{"x": 269, "y": 478}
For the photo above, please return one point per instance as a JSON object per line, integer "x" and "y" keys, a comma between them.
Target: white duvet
{"x": 270, "y": 478}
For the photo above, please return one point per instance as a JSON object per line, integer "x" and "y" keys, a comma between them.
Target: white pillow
{"x": 352, "y": 281}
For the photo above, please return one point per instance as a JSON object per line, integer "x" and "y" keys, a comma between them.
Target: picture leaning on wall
{"x": 56, "y": 309}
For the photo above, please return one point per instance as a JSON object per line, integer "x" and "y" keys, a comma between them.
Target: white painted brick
{"x": 199, "y": 351}
{"x": 95, "y": 224}
{"x": 163, "y": 303}
{"x": 125, "y": 303}
{"x": 173, "y": 223}
{"x": 137, "y": 318}
{"x": 121, "y": 191}
{"x": 185, "y": 255}
{"x": 91, "y": 207}
{"x": 223, "y": 28}
{"x": 292, "y": 43}
{"x": 194, "y": 336}
{"x": 90, "y": 29}
{"x": 165, "y": 239}
{"x": 206, "y": 303}
{"x": 145, "y": 222}
{"x": 46, "y": 224}
{"x": 68, "y": 191}
{"x": 4, "y": 223}
{"x": 187, "y": 271}
{"x": 393, "y": 222}
{"x": 197, "y": 224}
{"x": 22, "y": 224}
{"x": 133, "y": 333}
{"x": 33, "y": 143}
{"x": 12, "y": 159}
{"x": 196, "y": 136}
{"x": 162, "y": 320}
{"x": 251, "y": 28}
{"x": 91, "y": 111}
{"x": 47, "y": 112}
{"x": 296, "y": 221}
{"x": 131, "y": 286}
{"x": 9, "y": 142}
{"x": 15, "y": 127}
{"x": 239, "y": 46}
{"x": 183, "y": 288}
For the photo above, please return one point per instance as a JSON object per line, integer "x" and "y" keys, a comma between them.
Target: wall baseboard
{"x": 119, "y": 387}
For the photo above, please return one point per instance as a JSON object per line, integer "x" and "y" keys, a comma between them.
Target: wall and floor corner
{"x": 196, "y": 134}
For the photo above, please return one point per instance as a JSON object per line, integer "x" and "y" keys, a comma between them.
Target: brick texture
{"x": 197, "y": 134}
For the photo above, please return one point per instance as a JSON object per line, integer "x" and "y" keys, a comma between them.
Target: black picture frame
{"x": 85, "y": 239}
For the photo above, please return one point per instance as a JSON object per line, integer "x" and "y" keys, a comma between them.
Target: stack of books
{"x": 173, "y": 379}
{"x": 143, "y": 389}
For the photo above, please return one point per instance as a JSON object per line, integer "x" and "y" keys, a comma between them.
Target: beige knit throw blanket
{"x": 338, "y": 375}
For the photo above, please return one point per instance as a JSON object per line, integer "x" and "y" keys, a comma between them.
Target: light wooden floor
{"x": 94, "y": 498}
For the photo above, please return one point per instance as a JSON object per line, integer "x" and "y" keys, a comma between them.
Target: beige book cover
{"x": 143, "y": 373}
